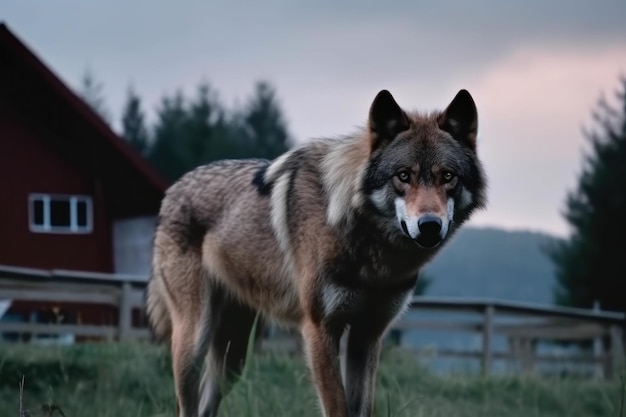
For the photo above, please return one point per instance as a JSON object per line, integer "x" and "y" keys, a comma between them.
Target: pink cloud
{"x": 533, "y": 105}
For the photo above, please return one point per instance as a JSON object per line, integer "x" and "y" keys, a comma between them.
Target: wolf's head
{"x": 423, "y": 177}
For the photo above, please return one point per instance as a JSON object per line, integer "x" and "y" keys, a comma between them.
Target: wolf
{"x": 328, "y": 237}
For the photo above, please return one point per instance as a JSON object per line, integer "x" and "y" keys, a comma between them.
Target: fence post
{"x": 125, "y": 312}
{"x": 615, "y": 360}
{"x": 599, "y": 355}
{"x": 528, "y": 355}
{"x": 487, "y": 336}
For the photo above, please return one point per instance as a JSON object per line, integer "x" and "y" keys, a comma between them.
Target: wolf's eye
{"x": 403, "y": 176}
{"x": 447, "y": 176}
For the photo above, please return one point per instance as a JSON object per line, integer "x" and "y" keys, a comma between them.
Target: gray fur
{"x": 312, "y": 239}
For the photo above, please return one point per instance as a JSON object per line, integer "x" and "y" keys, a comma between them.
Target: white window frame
{"x": 47, "y": 227}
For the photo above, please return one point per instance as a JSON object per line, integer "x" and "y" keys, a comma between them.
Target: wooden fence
{"x": 123, "y": 292}
{"x": 523, "y": 325}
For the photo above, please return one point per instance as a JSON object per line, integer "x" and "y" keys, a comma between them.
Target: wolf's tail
{"x": 156, "y": 309}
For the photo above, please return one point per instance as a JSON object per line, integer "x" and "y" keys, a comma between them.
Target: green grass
{"x": 135, "y": 380}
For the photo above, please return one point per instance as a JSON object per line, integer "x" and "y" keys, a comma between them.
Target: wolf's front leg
{"x": 362, "y": 355}
{"x": 322, "y": 352}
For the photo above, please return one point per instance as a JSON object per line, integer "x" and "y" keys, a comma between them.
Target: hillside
{"x": 482, "y": 263}
{"x": 493, "y": 263}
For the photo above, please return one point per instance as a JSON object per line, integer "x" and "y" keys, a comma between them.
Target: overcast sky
{"x": 535, "y": 68}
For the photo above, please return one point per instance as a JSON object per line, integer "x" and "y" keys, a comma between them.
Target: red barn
{"x": 75, "y": 196}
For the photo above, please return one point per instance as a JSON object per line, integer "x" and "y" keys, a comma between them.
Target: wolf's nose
{"x": 430, "y": 231}
{"x": 429, "y": 225}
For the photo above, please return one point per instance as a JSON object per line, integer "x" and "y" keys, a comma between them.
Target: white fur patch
{"x": 343, "y": 168}
{"x": 276, "y": 166}
{"x": 379, "y": 198}
{"x": 279, "y": 212}
{"x": 332, "y": 297}
{"x": 278, "y": 207}
{"x": 445, "y": 224}
{"x": 466, "y": 199}
{"x": 450, "y": 208}
{"x": 409, "y": 221}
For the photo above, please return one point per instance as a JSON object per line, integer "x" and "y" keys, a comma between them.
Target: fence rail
{"x": 124, "y": 293}
{"x": 523, "y": 325}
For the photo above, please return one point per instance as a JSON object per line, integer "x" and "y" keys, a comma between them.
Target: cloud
{"x": 533, "y": 107}
{"x": 535, "y": 68}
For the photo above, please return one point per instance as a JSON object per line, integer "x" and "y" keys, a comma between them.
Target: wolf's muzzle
{"x": 430, "y": 231}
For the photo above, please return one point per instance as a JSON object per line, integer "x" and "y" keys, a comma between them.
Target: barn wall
{"x": 28, "y": 164}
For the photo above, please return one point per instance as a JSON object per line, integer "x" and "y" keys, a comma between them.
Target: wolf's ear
{"x": 460, "y": 119}
{"x": 386, "y": 119}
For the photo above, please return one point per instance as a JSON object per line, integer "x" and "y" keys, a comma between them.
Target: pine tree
{"x": 589, "y": 265}
{"x": 133, "y": 123}
{"x": 168, "y": 154}
{"x": 191, "y": 133}
{"x": 210, "y": 133}
{"x": 263, "y": 127}
{"x": 91, "y": 91}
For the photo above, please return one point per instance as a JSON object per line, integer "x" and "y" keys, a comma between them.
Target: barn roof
{"x": 130, "y": 184}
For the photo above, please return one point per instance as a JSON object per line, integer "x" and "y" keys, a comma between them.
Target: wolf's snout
{"x": 430, "y": 231}
{"x": 429, "y": 224}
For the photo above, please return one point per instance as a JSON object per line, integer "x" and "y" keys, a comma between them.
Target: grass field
{"x": 134, "y": 380}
